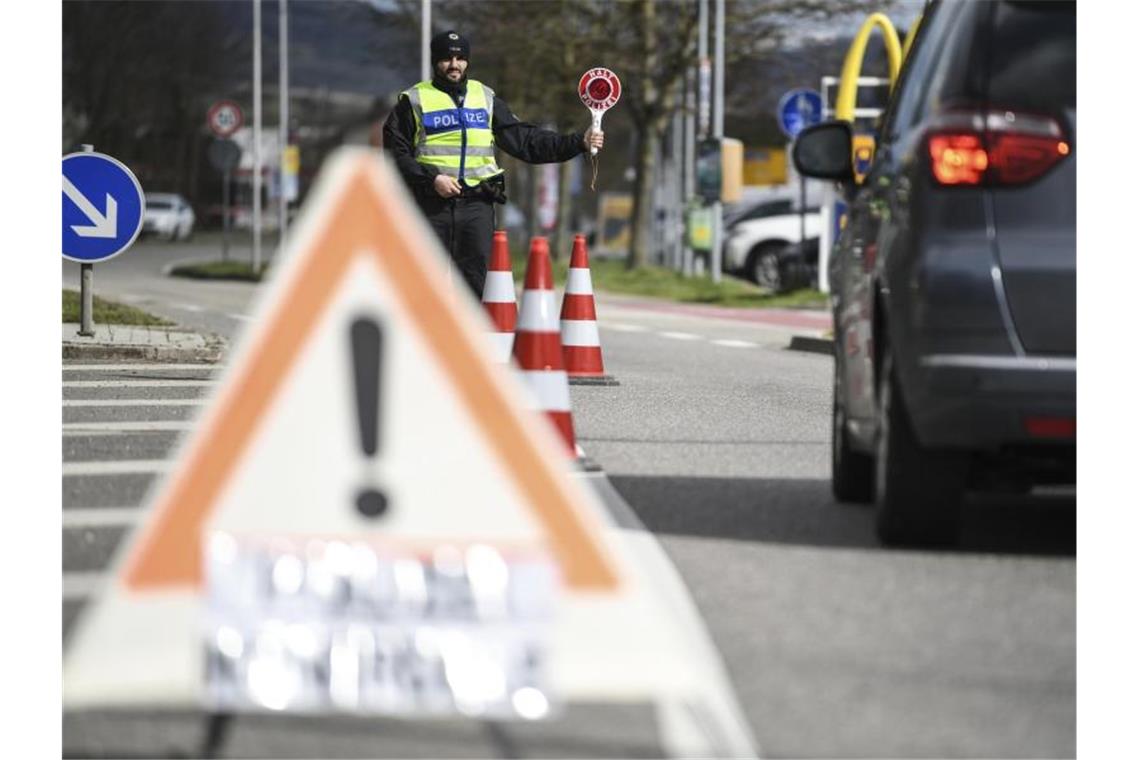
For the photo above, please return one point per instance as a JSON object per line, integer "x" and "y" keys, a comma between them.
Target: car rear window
{"x": 159, "y": 205}
{"x": 1033, "y": 64}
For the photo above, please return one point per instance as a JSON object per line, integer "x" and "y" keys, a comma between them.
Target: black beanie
{"x": 449, "y": 43}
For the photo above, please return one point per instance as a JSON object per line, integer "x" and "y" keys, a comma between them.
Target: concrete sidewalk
{"x": 127, "y": 342}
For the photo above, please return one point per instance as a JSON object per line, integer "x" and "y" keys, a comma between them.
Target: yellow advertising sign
{"x": 862, "y": 153}
{"x": 615, "y": 210}
{"x": 732, "y": 169}
{"x": 765, "y": 166}
{"x": 292, "y": 159}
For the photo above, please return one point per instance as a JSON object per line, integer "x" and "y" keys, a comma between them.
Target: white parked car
{"x": 752, "y": 246}
{"x": 169, "y": 216}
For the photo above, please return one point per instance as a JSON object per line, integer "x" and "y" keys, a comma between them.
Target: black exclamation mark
{"x": 367, "y": 350}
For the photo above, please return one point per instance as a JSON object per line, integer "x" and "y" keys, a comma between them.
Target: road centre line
{"x": 78, "y": 586}
{"x": 101, "y": 517}
{"x": 623, "y": 327}
{"x": 117, "y": 467}
{"x": 731, "y": 343}
{"x": 170, "y": 383}
{"x": 134, "y": 402}
{"x": 119, "y": 428}
{"x": 138, "y": 365}
{"x": 679, "y": 335}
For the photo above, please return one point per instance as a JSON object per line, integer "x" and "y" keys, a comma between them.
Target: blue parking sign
{"x": 798, "y": 110}
{"x": 103, "y": 206}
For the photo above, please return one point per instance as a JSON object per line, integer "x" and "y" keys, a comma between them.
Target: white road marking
{"x": 679, "y": 336}
{"x": 78, "y": 586}
{"x": 240, "y": 317}
{"x": 117, "y": 467}
{"x": 736, "y": 343}
{"x": 171, "y": 383}
{"x": 139, "y": 365}
{"x": 118, "y": 428}
{"x": 623, "y": 327}
{"x": 188, "y": 307}
{"x": 103, "y": 517}
{"x": 135, "y": 402}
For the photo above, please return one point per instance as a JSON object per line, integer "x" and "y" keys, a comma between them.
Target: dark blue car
{"x": 954, "y": 279}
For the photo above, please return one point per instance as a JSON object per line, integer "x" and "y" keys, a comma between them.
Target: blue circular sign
{"x": 798, "y": 110}
{"x": 103, "y": 206}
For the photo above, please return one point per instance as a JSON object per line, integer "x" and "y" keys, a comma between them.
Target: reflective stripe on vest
{"x": 457, "y": 141}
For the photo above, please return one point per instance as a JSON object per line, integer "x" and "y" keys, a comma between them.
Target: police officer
{"x": 442, "y": 135}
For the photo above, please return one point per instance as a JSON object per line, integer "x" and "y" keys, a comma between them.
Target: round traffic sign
{"x": 224, "y": 118}
{"x": 599, "y": 89}
{"x": 103, "y": 205}
{"x": 799, "y": 109}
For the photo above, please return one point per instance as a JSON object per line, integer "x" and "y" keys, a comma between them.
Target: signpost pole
{"x": 283, "y": 127}
{"x": 86, "y": 288}
{"x": 226, "y": 215}
{"x": 256, "y": 136}
{"x": 690, "y": 162}
{"x": 803, "y": 213}
{"x": 718, "y": 132}
{"x": 425, "y": 39}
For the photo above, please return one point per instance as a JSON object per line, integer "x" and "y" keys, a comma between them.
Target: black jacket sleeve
{"x": 399, "y": 142}
{"x": 531, "y": 143}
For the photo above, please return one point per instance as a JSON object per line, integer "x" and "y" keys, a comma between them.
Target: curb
{"x": 102, "y": 351}
{"x": 593, "y": 380}
{"x": 811, "y": 345}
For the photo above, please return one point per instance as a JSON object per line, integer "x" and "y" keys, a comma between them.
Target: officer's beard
{"x": 443, "y": 83}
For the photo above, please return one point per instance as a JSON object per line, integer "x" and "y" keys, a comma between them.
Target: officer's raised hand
{"x": 446, "y": 186}
{"x": 593, "y": 138}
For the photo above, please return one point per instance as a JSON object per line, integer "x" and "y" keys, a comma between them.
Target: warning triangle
{"x": 362, "y": 403}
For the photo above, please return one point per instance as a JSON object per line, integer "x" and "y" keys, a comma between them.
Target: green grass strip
{"x": 110, "y": 312}
{"x": 612, "y": 275}
{"x": 219, "y": 270}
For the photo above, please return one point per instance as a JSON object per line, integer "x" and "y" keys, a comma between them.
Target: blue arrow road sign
{"x": 798, "y": 110}
{"x": 103, "y": 207}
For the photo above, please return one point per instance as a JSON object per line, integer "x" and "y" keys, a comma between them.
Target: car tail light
{"x": 957, "y": 158}
{"x": 1051, "y": 427}
{"x": 994, "y": 149}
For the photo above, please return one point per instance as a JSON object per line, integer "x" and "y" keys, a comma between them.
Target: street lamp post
{"x": 283, "y": 127}
{"x": 718, "y": 133}
{"x": 256, "y": 136}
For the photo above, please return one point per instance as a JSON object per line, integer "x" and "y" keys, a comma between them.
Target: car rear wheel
{"x": 919, "y": 490}
{"x": 764, "y": 266}
{"x": 852, "y": 472}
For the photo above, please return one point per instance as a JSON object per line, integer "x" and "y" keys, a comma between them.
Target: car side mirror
{"x": 824, "y": 152}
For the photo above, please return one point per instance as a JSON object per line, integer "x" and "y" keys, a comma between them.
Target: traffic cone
{"x": 499, "y": 297}
{"x": 581, "y": 345}
{"x": 538, "y": 346}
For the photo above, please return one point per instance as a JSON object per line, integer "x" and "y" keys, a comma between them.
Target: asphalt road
{"x": 718, "y": 438}
{"x": 837, "y": 647}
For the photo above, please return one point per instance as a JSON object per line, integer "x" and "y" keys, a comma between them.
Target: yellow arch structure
{"x": 853, "y": 63}
{"x": 910, "y": 36}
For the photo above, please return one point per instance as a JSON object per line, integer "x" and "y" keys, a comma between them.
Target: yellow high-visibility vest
{"x": 457, "y": 141}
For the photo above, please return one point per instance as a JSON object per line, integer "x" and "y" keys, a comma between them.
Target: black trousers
{"x": 465, "y": 226}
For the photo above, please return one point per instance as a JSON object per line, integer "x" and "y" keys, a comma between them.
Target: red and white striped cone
{"x": 581, "y": 345}
{"x": 538, "y": 346}
{"x": 499, "y": 298}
